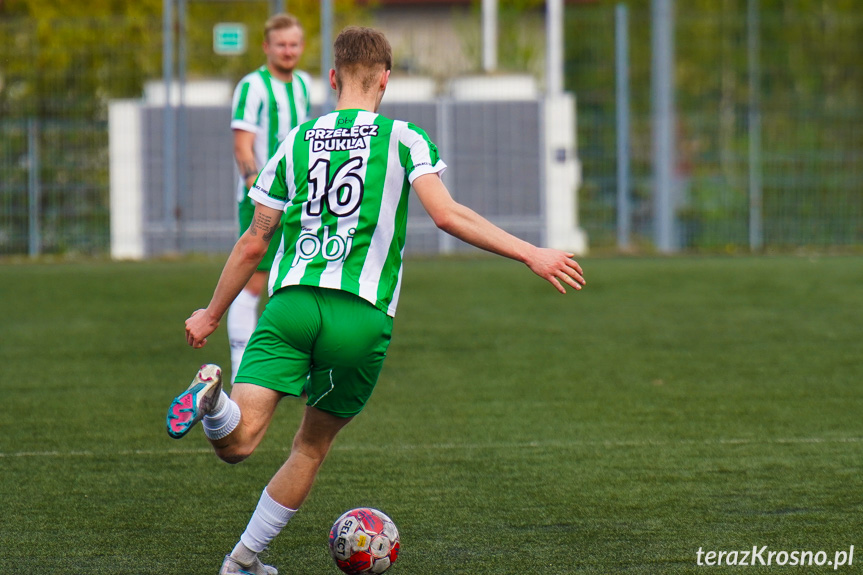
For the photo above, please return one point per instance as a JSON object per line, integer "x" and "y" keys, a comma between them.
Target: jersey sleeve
{"x": 306, "y": 81}
{"x": 274, "y": 186}
{"x": 421, "y": 155}
{"x": 246, "y": 107}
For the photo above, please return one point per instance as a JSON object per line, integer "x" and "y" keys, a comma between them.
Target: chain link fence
{"x": 55, "y": 80}
{"x": 54, "y": 180}
{"x": 808, "y": 88}
{"x": 53, "y": 187}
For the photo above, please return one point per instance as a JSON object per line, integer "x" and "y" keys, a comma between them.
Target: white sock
{"x": 268, "y": 521}
{"x": 243, "y": 555}
{"x": 242, "y": 320}
{"x": 224, "y": 419}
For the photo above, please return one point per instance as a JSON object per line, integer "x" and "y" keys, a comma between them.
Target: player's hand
{"x": 557, "y": 268}
{"x": 198, "y": 327}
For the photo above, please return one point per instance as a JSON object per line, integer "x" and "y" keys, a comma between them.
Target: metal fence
{"x": 782, "y": 80}
{"x": 54, "y": 180}
{"x": 53, "y": 187}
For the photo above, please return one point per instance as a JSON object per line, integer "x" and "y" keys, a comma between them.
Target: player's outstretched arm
{"x": 555, "y": 266}
{"x": 242, "y": 263}
{"x": 244, "y": 155}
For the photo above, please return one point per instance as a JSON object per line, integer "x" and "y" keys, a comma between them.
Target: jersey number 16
{"x": 342, "y": 194}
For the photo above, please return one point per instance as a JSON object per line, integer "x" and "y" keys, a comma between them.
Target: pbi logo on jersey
{"x": 332, "y": 247}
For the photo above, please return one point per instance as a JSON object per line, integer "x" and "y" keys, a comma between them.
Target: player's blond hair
{"x": 362, "y": 53}
{"x": 280, "y": 22}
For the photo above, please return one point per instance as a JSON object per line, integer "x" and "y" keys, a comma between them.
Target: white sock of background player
{"x": 242, "y": 319}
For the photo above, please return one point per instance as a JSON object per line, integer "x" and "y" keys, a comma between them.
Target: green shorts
{"x": 329, "y": 343}
{"x": 246, "y": 213}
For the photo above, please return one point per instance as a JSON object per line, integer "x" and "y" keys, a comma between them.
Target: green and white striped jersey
{"x": 269, "y": 108}
{"x": 342, "y": 181}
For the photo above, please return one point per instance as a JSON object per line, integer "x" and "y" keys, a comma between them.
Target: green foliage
{"x": 521, "y": 36}
{"x": 65, "y": 59}
{"x": 62, "y": 59}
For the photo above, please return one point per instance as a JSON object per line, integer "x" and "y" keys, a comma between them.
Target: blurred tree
{"x": 809, "y": 53}
{"x": 521, "y": 36}
{"x": 66, "y": 59}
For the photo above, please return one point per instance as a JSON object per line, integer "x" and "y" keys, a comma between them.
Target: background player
{"x": 268, "y": 103}
{"x": 339, "y": 185}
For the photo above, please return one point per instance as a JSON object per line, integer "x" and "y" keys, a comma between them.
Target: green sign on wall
{"x": 229, "y": 38}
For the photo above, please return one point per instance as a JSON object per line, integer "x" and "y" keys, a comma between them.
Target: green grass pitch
{"x": 674, "y": 404}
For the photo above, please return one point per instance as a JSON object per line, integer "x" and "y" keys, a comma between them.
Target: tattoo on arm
{"x": 264, "y": 224}
{"x": 248, "y": 169}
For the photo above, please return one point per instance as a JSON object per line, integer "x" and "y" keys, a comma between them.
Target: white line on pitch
{"x": 456, "y": 446}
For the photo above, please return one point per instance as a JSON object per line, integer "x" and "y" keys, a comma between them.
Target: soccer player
{"x": 268, "y": 103}
{"x": 339, "y": 187}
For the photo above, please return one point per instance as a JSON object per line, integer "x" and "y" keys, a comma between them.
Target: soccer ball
{"x": 364, "y": 540}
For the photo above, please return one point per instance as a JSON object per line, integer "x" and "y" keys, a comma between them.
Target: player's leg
{"x": 243, "y": 317}
{"x": 292, "y": 483}
{"x": 348, "y": 356}
{"x": 276, "y": 363}
{"x": 290, "y": 486}
{"x": 257, "y": 405}
{"x": 347, "y": 359}
{"x": 234, "y": 424}
{"x": 236, "y": 430}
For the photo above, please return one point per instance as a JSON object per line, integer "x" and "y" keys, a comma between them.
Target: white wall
{"x": 126, "y": 194}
